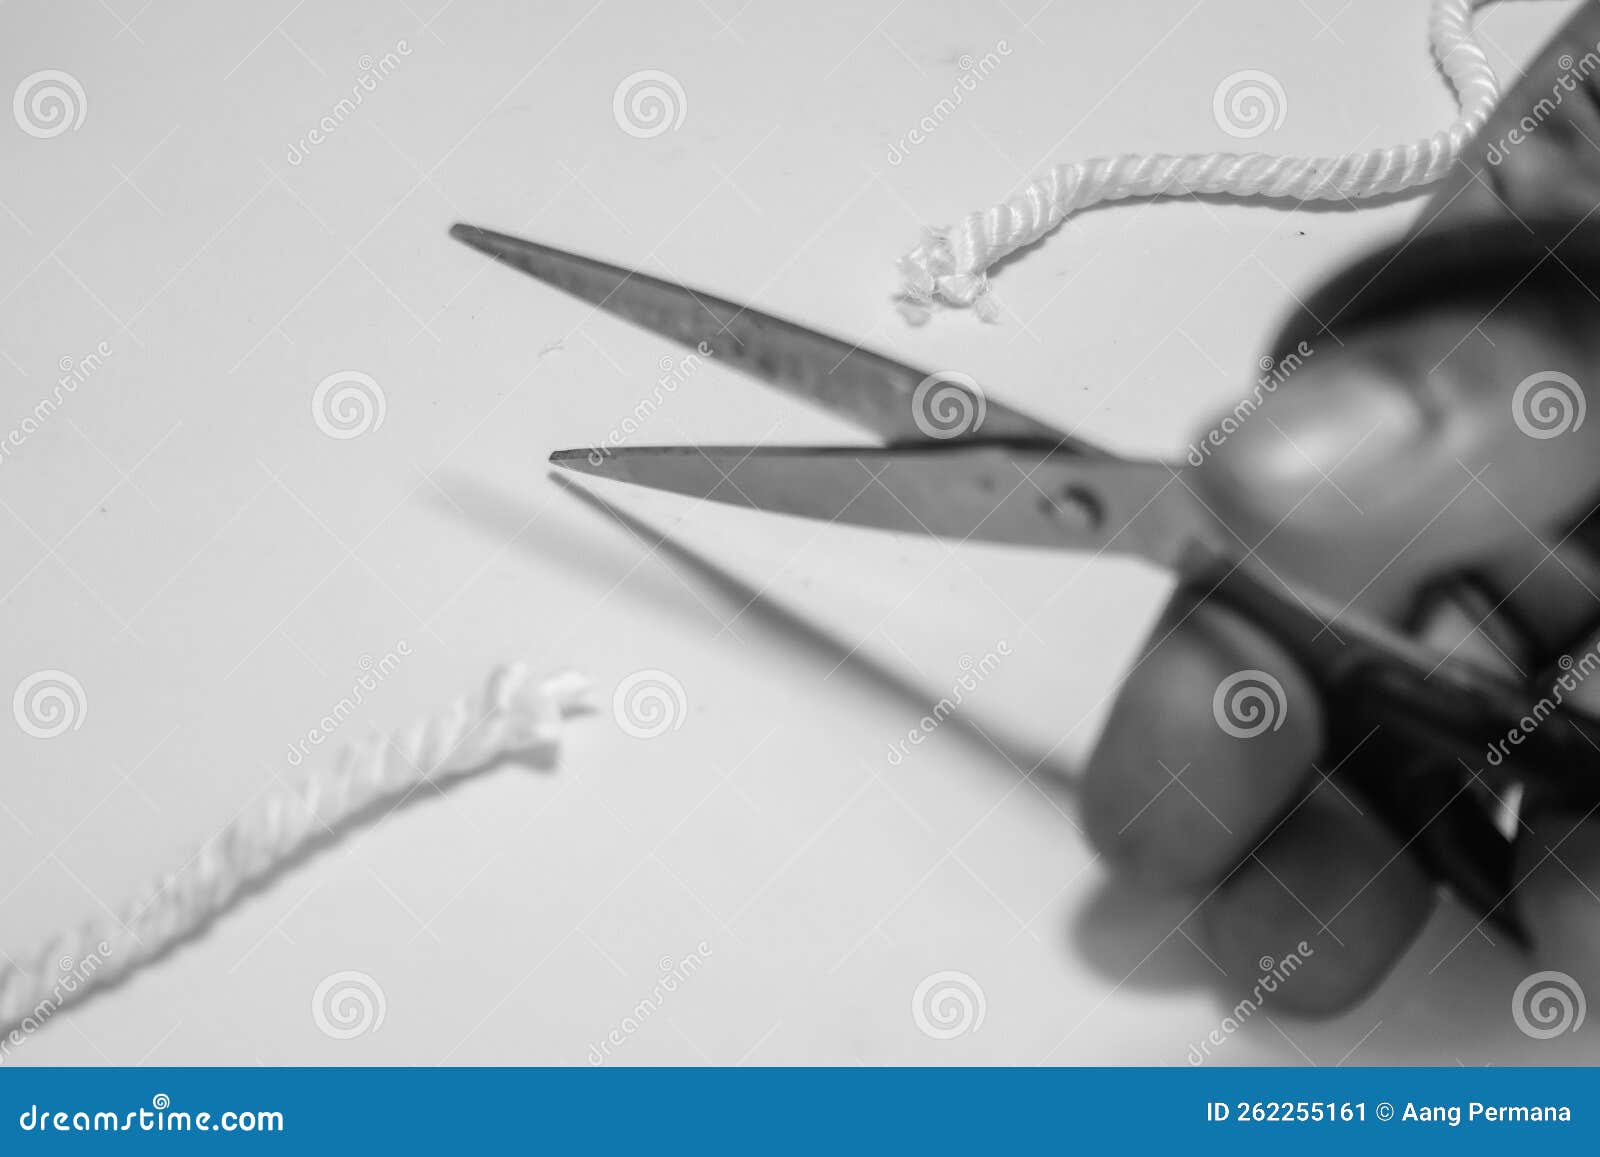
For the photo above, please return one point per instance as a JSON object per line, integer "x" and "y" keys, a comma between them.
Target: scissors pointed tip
{"x": 687, "y": 470}
{"x": 483, "y": 240}
{"x": 581, "y": 461}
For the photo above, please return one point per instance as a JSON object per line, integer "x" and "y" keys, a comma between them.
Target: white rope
{"x": 515, "y": 717}
{"x": 949, "y": 265}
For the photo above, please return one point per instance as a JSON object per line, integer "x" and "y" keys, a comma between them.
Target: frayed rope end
{"x": 535, "y": 708}
{"x": 930, "y": 278}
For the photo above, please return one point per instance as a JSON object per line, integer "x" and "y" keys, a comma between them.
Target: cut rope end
{"x": 947, "y": 268}
{"x": 517, "y": 714}
{"x": 534, "y": 709}
{"x": 931, "y": 276}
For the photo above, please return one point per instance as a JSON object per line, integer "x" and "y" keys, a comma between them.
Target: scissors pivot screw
{"x": 1073, "y": 506}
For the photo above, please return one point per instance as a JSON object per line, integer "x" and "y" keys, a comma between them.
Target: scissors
{"x": 1006, "y": 477}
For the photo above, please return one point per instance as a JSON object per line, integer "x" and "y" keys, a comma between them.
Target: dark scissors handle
{"x": 1444, "y": 708}
{"x": 1440, "y": 740}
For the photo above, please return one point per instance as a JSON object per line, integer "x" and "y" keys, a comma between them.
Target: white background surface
{"x": 185, "y": 541}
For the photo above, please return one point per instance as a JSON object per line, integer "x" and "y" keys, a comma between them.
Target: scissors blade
{"x": 978, "y": 491}
{"x": 883, "y": 396}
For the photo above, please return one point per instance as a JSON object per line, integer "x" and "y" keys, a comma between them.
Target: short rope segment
{"x": 949, "y": 266}
{"x": 515, "y": 717}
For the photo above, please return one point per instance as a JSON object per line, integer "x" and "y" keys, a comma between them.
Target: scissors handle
{"x": 1434, "y": 730}
{"x": 1493, "y": 726}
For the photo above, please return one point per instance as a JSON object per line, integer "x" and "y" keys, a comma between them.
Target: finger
{"x": 1556, "y": 860}
{"x": 1558, "y": 863}
{"x": 1317, "y": 866}
{"x": 1546, "y": 598}
{"x": 1334, "y": 886}
{"x": 1330, "y": 887}
{"x": 1173, "y": 798}
{"x": 1396, "y": 458}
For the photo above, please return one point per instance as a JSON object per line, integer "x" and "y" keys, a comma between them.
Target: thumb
{"x": 1424, "y": 413}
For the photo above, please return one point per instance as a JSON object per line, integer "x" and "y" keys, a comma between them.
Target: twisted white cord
{"x": 949, "y": 265}
{"x": 515, "y": 716}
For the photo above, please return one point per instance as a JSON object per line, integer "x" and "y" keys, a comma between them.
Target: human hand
{"x": 1414, "y": 445}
